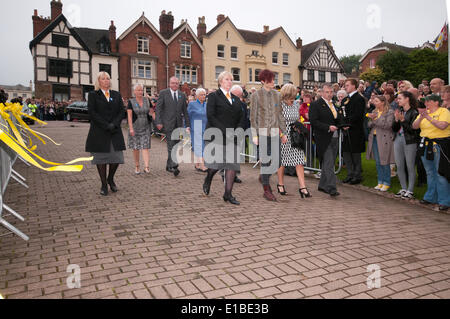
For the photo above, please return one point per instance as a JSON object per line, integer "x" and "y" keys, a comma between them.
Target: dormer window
{"x": 103, "y": 45}
{"x": 143, "y": 45}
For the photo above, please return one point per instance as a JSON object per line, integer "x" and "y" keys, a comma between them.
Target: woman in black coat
{"x": 105, "y": 139}
{"x": 224, "y": 112}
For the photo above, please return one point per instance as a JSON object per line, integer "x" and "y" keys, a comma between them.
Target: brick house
{"x": 150, "y": 57}
{"x": 370, "y": 58}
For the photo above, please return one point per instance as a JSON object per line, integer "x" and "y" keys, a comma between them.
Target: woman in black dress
{"x": 224, "y": 112}
{"x": 105, "y": 139}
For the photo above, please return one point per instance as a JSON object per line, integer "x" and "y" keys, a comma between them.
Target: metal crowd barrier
{"x": 7, "y": 161}
{"x": 312, "y": 161}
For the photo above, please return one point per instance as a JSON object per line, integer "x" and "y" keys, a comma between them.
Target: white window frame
{"x": 218, "y": 73}
{"x": 186, "y": 74}
{"x": 286, "y": 78}
{"x": 231, "y": 53}
{"x": 372, "y": 63}
{"x": 221, "y": 51}
{"x": 285, "y": 59}
{"x": 145, "y": 45}
{"x": 238, "y": 74}
{"x": 275, "y": 79}
{"x": 146, "y": 67}
{"x": 275, "y": 56}
{"x": 186, "y": 49}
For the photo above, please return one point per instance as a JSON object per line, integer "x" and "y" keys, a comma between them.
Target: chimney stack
{"x": 220, "y": 18}
{"x": 299, "y": 43}
{"x": 56, "y": 7}
{"x": 112, "y": 37}
{"x": 201, "y": 27}
{"x": 166, "y": 23}
{"x": 266, "y": 29}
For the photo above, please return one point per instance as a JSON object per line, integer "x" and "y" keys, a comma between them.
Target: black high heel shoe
{"x": 207, "y": 186}
{"x": 304, "y": 195}
{"x": 113, "y": 186}
{"x": 231, "y": 200}
{"x": 282, "y": 191}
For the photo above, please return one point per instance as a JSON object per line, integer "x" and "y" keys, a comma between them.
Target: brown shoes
{"x": 268, "y": 194}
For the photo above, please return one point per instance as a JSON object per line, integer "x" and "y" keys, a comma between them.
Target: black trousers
{"x": 327, "y": 176}
{"x": 171, "y": 161}
{"x": 353, "y": 165}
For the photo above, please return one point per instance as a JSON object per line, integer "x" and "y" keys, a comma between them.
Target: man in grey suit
{"x": 170, "y": 108}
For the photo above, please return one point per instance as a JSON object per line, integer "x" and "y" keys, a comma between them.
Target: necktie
{"x": 107, "y": 95}
{"x": 333, "y": 110}
{"x": 175, "y": 97}
{"x": 228, "y": 97}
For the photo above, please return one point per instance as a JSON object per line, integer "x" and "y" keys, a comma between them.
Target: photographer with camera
{"x": 434, "y": 124}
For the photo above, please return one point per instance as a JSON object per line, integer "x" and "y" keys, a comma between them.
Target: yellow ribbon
{"x": 16, "y": 142}
{"x": 20, "y": 151}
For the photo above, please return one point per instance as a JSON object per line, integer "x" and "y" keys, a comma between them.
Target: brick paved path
{"x": 159, "y": 237}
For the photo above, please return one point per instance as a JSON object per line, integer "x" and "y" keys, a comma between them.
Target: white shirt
{"x": 104, "y": 93}
{"x": 353, "y": 93}
{"x": 174, "y": 92}
{"x": 225, "y": 93}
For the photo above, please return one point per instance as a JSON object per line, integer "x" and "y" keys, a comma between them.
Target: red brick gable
{"x": 127, "y": 48}
{"x": 175, "y": 54}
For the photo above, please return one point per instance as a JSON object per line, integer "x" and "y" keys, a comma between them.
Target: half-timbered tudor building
{"x": 320, "y": 65}
{"x": 67, "y": 59}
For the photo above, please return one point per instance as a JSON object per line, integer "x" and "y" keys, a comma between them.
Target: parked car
{"x": 77, "y": 111}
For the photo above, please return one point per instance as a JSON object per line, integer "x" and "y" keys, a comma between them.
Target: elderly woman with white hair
{"x": 105, "y": 139}
{"x": 341, "y": 95}
{"x": 198, "y": 118}
{"x": 140, "y": 118}
{"x": 224, "y": 115}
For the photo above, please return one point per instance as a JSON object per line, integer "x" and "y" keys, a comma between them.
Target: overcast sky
{"x": 353, "y": 26}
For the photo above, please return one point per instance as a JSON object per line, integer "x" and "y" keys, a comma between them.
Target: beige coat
{"x": 385, "y": 138}
{"x": 266, "y": 111}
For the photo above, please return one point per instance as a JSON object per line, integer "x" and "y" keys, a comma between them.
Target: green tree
{"x": 350, "y": 62}
{"x": 394, "y": 65}
{"x": 373, "y": 75}
{"x": 427, "y": 64}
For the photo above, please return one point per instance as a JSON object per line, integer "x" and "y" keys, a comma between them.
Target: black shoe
{"x": 237, "y": 180}
{"x": 355, "y": 181}
{"x": 176, "y": 172}
{"x": 304, "y": 195}
{"x": 443, "y": 208}
{"x": 170, "y": 170}
{"x": 231, "y": 200}
{"x": 281, "y": 190}
{"x": 113, "y": 187}
{"x": 347, "y": 180}
{"x": 334, "y": 193}
{"x": 207, "y": 186}
{"x": 425, "y": 202}
{"x": 104, "y": 191}
{"x": 322, "y": 190}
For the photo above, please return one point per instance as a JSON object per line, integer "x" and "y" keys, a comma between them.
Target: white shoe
{"x": 408, "y": 195}
{"x": 378, "y": 187}
{"x": 317, "y": 175}
{"x": 385, "y": 188}
{"x": 400, "y": 193}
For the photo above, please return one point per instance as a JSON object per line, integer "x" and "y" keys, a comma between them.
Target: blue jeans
{"x": 438, "y": 190}
{"x": 383, "y": 171}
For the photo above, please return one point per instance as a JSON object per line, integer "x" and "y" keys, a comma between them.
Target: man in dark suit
{"x": 354, "y": 139}
{"x": 170, "y": 109}
{"x": 324, "y": 119}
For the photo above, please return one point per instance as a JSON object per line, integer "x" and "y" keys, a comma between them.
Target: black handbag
{"x": 299, "y": 135}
